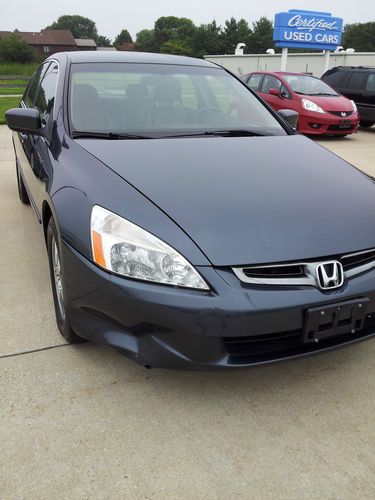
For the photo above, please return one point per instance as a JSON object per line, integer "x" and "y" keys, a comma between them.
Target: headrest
{"x": 136, "y": 90}
{"x": 167, "y": 89}
{"x": 84, "y": 91}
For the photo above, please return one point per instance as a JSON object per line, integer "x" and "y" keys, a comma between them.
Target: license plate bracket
{"x": 345, "y": 124}
{"x": 334, "y": 319}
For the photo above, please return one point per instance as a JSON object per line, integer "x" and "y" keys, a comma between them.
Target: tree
{"x": 14, "y": 49}
{"x": 173, "y": 28}
{"x": 207, "y": 39}
{"x": 123, "y": 37}
{"x": 177, "y": 47}
{"x": 235, "y": 32}
{"x": 103, "y": 41}
{"x": 81, "y": 27}
{"x": 359, "y": 36}
{"x": 261, "y": 38}
{"x": 146, "y": 42}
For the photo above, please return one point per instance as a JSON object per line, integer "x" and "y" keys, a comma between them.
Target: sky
{"x": 111, "y": 16}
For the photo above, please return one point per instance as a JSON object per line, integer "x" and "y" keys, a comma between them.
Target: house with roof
{"x": 47, "y": 42}
{"x": 85, "y": 44}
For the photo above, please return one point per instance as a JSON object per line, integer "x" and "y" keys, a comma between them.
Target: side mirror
{"x": 290, "y": 116}
{"x": 274, "y": 92}
{"x": 24, "y": 120}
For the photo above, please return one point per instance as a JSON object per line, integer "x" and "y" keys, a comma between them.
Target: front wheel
{"x": 57, "y": 281}
{"x": 366, "y": 123}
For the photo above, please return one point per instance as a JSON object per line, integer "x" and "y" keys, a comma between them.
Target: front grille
{"x": 358, "y": 259}
{"x": 340, "y": 127}
{"x": 342, "y": 114}
{"x": 258, "y": 348}
{"x": 274, "y": 271}
{"x": 261, "y": 344}
{"x": 304, "y": 273}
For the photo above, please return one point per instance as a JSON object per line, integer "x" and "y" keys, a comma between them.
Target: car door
{"x": 272, "y": 82}
{"x": 24, "y": 143}
{"x": 44, "y": 103}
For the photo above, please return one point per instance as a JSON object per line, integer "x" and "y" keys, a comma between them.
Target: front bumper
{"x": 326, "y": 124}
{"x": 232, "y": 326}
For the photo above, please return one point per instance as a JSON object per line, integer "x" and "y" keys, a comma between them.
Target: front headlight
{"x": 126, "y": 249}
{"x": 311, "y": 106}
{"x": 354, "y": 106}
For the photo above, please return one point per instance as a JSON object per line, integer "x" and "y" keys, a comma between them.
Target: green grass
{"x": 20, "y": 83}
{"x": 5, "y": 104}
{"x": 18, "y": 69}
{"x": 12, "y": 90}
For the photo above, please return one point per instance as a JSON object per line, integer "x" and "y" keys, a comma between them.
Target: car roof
{"x": 130, "y": 57}
{"x": 279, "y": 73}
{"x": 351, "y": 68}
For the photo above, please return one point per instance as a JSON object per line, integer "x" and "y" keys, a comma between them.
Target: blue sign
{"x": 306, "y": 29}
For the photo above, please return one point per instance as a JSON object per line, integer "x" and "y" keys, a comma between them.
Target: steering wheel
{"x": 205, "y": 110}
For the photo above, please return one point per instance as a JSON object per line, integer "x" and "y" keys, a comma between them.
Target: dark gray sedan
{"x": 187, "y": 224}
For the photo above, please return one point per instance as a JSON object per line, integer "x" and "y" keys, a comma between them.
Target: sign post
{"x": 327, "y": 53}
{"x": 284, "y": 58}
{"x": 307, "y": 29}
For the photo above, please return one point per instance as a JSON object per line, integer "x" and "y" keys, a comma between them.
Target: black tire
{"x": 22, "y": 193}
{"x": 54, "y": 258}
{"x": 366, "y": 123}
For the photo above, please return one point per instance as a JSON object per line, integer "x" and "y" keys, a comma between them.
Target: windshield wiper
{"x": 106, "y": 135}
{"x": 219, "y": 133}
{"x": 324, "y": 93}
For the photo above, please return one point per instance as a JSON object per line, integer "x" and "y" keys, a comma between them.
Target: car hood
{"x": 337, "y": 103}
{"x": 250, "y": 200}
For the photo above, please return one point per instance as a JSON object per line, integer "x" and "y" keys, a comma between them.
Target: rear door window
{"x": 189, "y": 97}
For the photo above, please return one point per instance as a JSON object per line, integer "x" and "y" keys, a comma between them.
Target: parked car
{"x": 187, "y": 225}
{"x": 356, "y": 83}
{"x": 322, "y": 110}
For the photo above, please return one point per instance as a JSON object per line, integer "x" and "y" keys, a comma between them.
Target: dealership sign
{"x": 307, "y": 29}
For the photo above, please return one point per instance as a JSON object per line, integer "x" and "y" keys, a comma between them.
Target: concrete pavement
{"x": 83, "y": 422}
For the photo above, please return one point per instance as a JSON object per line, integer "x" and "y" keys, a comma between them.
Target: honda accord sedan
{"x": 187, "y": 224}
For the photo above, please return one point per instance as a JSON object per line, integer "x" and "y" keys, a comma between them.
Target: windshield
{"x": 308, "y": 85}
{"x": 155, "y": 100}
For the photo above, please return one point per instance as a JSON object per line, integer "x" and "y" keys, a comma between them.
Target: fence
{"x": 4, "y": 79}
{"x": 302, "y": 63}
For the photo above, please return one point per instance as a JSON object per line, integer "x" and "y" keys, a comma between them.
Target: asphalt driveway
{"x": 83, "y": 422}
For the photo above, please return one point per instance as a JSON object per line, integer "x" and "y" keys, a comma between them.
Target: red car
{"x": 321, "y": 109}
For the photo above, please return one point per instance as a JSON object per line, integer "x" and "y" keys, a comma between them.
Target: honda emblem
{"x": 330, "y": 275}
